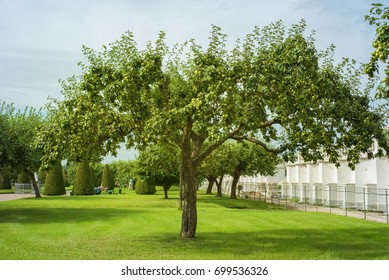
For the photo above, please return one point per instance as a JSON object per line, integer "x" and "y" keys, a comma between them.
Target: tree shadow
{"x": 62, "y": 215}
{"x": 287, "y": 244}
{"x": 238, "y": 203}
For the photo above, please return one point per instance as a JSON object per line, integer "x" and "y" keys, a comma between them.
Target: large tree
{"x": 17, "y": 135}
{"x": 273, "y": 89}
{"x": 379, "y": 17}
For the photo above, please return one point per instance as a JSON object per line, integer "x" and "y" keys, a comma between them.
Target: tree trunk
{"x": 34, "y": 184}
{"x": 210, "y": 185}
{"x": 219, "y": 186}
{"x": 235, "y": 181}
{"x": 189, "y": 177}
{"x": 165, "y": 189}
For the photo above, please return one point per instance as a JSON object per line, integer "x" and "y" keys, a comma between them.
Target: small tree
{"x": 18, "y": 130}
{"x": 217, "y": 165}
{"x": 107, "y": 181}
{"x": 54, "y": 184}
{"x": 159, "y": 165}
{"x": 251, "y": 159}
{"x": 83, "y": 181}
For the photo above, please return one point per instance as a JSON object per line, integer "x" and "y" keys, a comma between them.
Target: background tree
{"x": 379, "y": 17}
{"x": 273, "y": 89}
{"x": 122, "y": 171}
{"x": 23, "y": 178}
{"x": 217, "y": 165}
{"x": 83, "y": 184}
{"x": 250, "y": 160}
{"x": 5, "y": 181}
{"x": 159, "y": 165}
{"x": 54, "y": 183}
{"x": 107, "y": 181}
{"x": 18, "y": 133}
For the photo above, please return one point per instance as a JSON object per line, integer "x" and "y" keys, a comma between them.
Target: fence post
{"x": 329, "y": 195}
{"x": 295, "y": 197}
{"x": 317, "y": 207}
{"x": 305, "y": 198}
{"x": 387, "y": 213}
{"x": 345, "y": 198}
{"x": 364, "y": 203}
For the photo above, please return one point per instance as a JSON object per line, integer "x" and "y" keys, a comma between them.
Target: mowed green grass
{"x": 133, "y": 227}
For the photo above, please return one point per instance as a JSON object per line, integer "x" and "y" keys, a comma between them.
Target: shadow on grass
{"x": 239, "y": 203}
{"x": 62, "y": 215}
{"x": 286, "y": 244}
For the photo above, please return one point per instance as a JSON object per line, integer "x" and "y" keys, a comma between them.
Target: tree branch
{"x": 198, "y": 159}
{"x": 260, "y": 143}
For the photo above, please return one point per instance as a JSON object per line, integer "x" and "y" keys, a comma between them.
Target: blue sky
{"x": 41, "y": 40}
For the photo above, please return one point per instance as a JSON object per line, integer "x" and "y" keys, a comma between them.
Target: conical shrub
{"x": 5, "y": 182}
{"x": 83, "y": 181}
{"x": 54, "y": 184}
{"x": 107, "y": 180}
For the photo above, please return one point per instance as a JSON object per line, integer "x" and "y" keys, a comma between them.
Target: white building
{"x": 323, "y": 183}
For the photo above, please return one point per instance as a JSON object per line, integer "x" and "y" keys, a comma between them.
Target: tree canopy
{"x": 18, "y": 130}
{"x": 379, "y": 16}
{"x": 159, "y": 165}
{"x": 273, "y": 88}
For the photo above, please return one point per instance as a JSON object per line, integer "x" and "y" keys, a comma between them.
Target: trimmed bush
{"x": 54, "y": 184}
{"x": 23, "y": 178}
{"x": 5, "y": 182}
{"x": 107, "y": 180}
{"x": 143, "y": 187}
{"x": 83, "y": 182}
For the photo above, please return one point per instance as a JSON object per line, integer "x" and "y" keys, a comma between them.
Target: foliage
{"x": 379, "y": 17}
{"x": 17, "y": 135}
{"x": 5, "y": 182}
{"x": 250, "y": 160}
{"x": 83, "y": 184}
{"x": 219, "y": 163}
{"x": 54, "y": 183}
{"x": 143, "y": 187}
{"x": 23, "y": 178}
{"x": 273, "y": 89}
{"x": 122, "y": 171}
{"x": 107, "y": 180}
{"x": 159, "y": 165}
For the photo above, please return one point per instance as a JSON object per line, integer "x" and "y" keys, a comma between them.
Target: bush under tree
{"x": 54, "y": 183}
{"x": 142, "y": 187}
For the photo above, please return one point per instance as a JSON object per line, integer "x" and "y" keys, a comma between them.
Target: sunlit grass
{"x": 129, "y": 226}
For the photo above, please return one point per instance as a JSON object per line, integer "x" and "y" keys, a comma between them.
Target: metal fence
{"x": 367, "y": 202}
{"x": 26, "y": 188}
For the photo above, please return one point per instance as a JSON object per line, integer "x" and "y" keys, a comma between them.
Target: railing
{"x": 26, "y": 188}
{"x": 368, "y": 202}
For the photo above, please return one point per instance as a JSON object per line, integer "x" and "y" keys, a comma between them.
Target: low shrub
{"x": 142, "y": 187}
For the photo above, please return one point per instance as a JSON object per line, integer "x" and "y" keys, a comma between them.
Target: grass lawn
{"x": 129, "y": 226}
